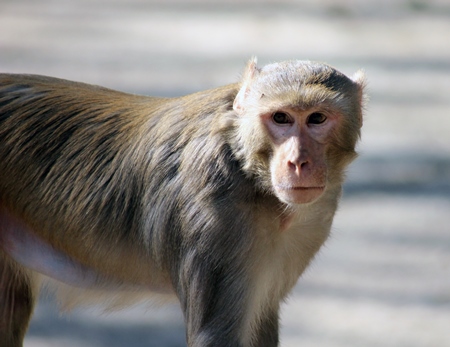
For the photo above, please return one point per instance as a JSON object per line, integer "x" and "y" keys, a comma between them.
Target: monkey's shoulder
{"x": 210, "y": 100}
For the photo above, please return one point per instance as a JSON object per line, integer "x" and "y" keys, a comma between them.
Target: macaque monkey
{"x": 220, "y": 198}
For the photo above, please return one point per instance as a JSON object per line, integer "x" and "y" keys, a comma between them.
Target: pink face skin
{"x": 298, "y": 166}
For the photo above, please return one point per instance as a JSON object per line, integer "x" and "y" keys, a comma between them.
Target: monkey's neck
{"x": 286, "y": 220}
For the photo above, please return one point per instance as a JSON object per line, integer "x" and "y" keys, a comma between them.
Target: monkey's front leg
{"x": 266, "y": 334}
{"x": 16, "y": 302}
{"x": 218, "y": 307}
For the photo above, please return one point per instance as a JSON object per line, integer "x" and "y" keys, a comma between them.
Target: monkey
{"x": 219, "y": 199}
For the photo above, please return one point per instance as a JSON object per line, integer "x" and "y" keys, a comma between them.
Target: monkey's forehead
{"x": 303, "y": 83}
{"x": 302, "y": 72}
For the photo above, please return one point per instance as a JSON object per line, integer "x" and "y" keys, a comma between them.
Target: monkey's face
{"x": 298, "y": 166}
{"x": 298, "y": 123}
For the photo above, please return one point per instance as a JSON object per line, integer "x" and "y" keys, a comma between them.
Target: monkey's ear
{"x": 359, "y": 78}
{"x": 250, "y": 72}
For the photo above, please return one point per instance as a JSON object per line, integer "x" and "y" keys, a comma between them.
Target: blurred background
{"x": 383, "y": 278}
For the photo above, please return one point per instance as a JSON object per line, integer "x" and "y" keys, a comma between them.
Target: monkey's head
{"x": 297, "y": 126}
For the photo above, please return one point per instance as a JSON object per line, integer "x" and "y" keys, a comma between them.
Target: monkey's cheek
{"x": 299, "y": 195}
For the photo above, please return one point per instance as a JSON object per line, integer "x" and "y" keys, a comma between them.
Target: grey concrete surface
{"x": 383, "y": 279}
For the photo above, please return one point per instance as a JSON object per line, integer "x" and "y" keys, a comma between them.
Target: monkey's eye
{"x": 281, "y": 118}
{"x": 316, "y": 118}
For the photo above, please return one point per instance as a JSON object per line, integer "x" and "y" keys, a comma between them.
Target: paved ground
{"x": 383, "y": 279}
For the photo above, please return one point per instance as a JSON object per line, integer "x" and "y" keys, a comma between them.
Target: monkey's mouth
{"x": 305, "y": 188}
{"x": 319, "y": 188}
{"x": 298, "y": 194}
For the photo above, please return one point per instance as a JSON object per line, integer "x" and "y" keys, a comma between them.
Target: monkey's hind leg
{"x": 16, "y": 302}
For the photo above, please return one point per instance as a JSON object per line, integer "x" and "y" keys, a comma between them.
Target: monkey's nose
{"x": 297, "y": 166}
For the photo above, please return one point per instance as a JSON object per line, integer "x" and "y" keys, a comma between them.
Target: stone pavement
{"x": 383, "y": 279}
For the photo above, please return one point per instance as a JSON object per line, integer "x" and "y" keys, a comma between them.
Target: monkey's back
{"x": 55, "y": 133}
{"x": 90, "y": 156}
